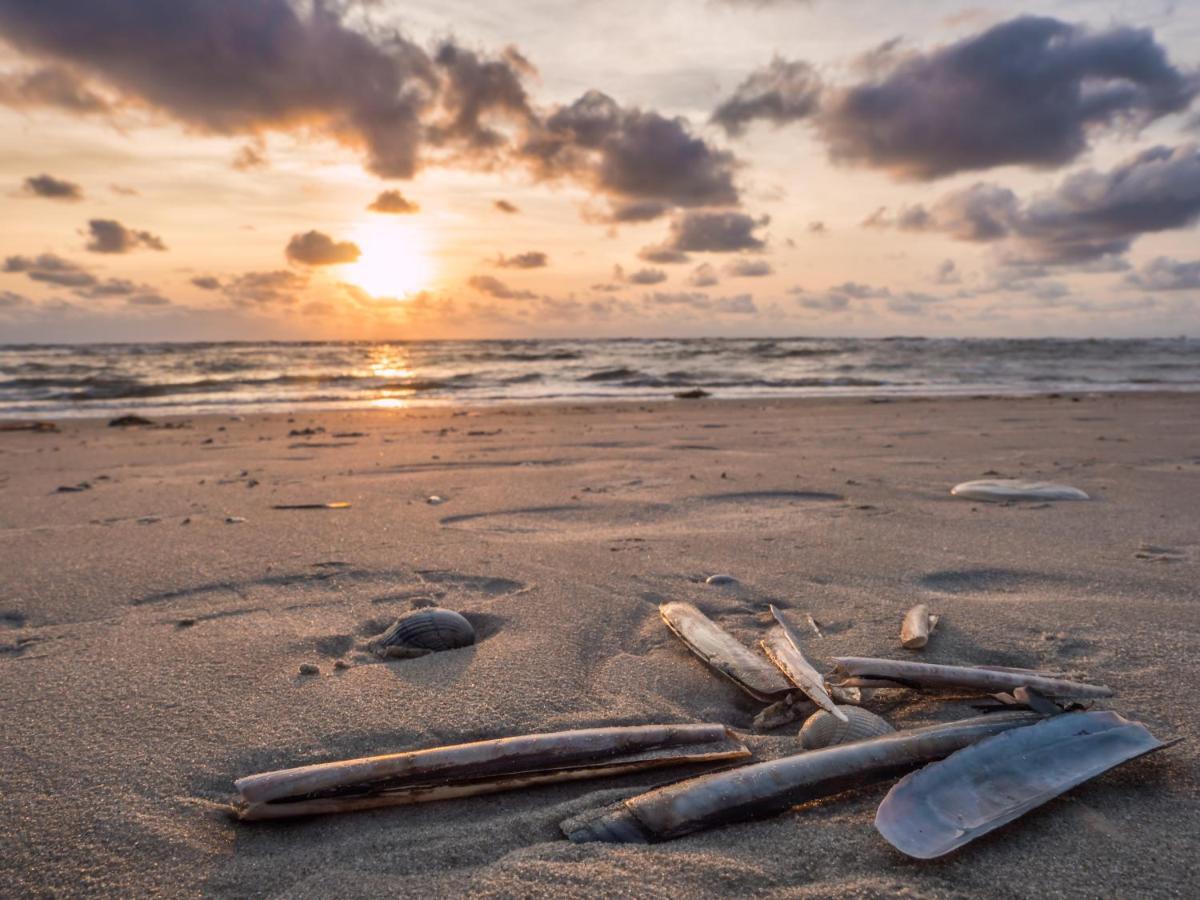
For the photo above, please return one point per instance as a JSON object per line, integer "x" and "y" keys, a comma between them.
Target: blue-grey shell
{"x": 821, "y": 729}
{"x": 428, "y": 629}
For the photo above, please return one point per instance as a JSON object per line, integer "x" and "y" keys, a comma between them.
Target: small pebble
{"x": 720, "y": 579}
{"x": 309, "y": 669}
{"x": 341, "y": 664}
{"x": 185, "y": 623}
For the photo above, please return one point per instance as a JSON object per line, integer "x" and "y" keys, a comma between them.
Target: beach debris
{"x": 305, "y": 432}
{"x": 29, "y": 426}
{"x": 234, "y": 520}
{"x": 724, "y": 653}
{"x": 720, "y": 580}
{"x": 767, "y": 788}
{"x": 782, "y": 647}
{"x": 825, "y": 729}
{"x": 980, "y": 788}
{"x": 814, "y": 625}
{"x": 341, "y": 664}
{"x": 424, "y": 631}
{"x": 435, "y": 500}
{"x": 309, "y": 669}
{"x": 1003, "y": 489}
{"x": 336, "y": 504}
{"x": 784, "y": 712}
{"x": 74, "y": 488}
{"x": 693, "y": 394}
{"x": 917, "y": 625}
{"x": 482, "y": 767}
{"x": 864, "y": 672}
{"x": 129, "y": 421}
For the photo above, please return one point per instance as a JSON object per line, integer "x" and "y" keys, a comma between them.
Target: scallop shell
{"x": 430, "y": 629}
{"x": 822, "y": 730}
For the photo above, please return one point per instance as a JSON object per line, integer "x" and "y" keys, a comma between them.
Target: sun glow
{"x": 395, "y": 259}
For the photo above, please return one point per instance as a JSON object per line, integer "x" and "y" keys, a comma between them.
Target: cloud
{"x": 11, "y": 301}
{"x": 111, "y": 287}
{"x": 242, "y": 66}
{"x": 52, "y": 188}
{"x": 393, "y": 202}
{"x": 1089, "y": 219}
{"x": 263, "y": 288}
{"x": 715, "y": 232}
{"x": 315, "y": 248}
{"x": 947, "y": 273}
{"x": 704, "y": 275}
{"x": 817, "y": 228}
{"x": 251, "y": 156}
{"x": 645, "y": 163}
{"x": 52, "y": 86}
{"x": 839, "y": 297}
{"x": 50, "y": 269}
{"x": 494, "y": 287}
{"x": 647, "y": 276}
{"x": 1165, "y": 274}
{"x": 475, "y": 90}
{"x": 207, "y": 283}
{"x": 662, "y": 255}
{"x": 740, "y": 304}
{"x": 531, "y": 259}
{"x": 749, "y": 268}
{"x": 149, "y": 299}
{"x": 505, "y": 207}
{"x": 1028, "y": 91}
{"x": 779, "y": 93}
{"x": 110, "y": 236}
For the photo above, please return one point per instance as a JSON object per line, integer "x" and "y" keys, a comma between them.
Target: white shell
{"x": 720, "y": 580}
{"x": 822, "y": 730}
{"x": 1000, "y": 489}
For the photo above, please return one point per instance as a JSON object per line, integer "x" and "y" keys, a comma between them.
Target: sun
{"x": 395, "y": 259}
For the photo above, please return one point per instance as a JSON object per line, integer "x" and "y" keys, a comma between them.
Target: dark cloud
{"x": 393, "y": 202}
{"x": 52, "y": 188}
{"x": 662, "y": 255}
{"x": 111, "y": 287}
{"x": 476, "y": 90}
{"x": 947, "y": 273}
{"x": 207, "y": 283}
{"x": 780, "y": 93}
{"x": 110, "y": 236}
{"x": 715, "y": 232}
{"x": 1028, "y": 91}
{"x": 315, "y": 248}
{"x": 249, "y": 157}
{"x": 740, "y": 304}
{"x": 53, "y": 86}
{"x": 749, "y": 268}
{"x": 1165, "y": 274}
{"x": 494, "y": 287}
{"x": 704, "y": 275}
{"x": 817, "y": 228}
{"x": 504, "y": 206}
{"x": 839, "y": 297}
{"x": 647, "y": 276}
{"x": 50, "y": 269}
{"x": 263, "y": 288}
{"x": 532, "y": 259}
{"x": 645, "y": 163}
{"x": 149, "y": 299}
{"x": 10, "y": 300}
{"x": 1090, "y": 219}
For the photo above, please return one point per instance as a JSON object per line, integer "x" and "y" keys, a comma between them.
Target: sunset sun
{"x": 395, "y": 260}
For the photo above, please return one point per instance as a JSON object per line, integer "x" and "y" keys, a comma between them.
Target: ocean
{"x": 175, "y": 379}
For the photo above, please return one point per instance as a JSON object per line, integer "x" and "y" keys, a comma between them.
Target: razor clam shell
{"x": 767, "y": 788}
{"x": 724, "y": 653}
{"x": 784, "y": 712}
{"x": 982, "y": 787}
{"x": 430, "y": 629}
{"x": 782, "y": 647}
{"x": 914, "y": 631}
{"x": 482, "y": 767}
{"x": 866, "y": 672}
{"x": 822, "y": 730}
{"x": 998, "y": 490}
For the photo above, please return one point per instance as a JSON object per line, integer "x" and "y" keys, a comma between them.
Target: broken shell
{"x": 1000, "y": 489}
{"x": 721, "y": 580}
{"x": 822, "y": 729}
{"x": 918, "y": 623}
{"x": 427, "y": 630}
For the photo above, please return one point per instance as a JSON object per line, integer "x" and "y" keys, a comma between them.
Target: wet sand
{"x": 153, "y": 624}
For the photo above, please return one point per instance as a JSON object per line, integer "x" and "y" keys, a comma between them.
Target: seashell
{"x": 429, "y": 629}
{"x": 1001, "y": 489}
{"x": 917, "y": 625}
{"x": 720, "y": 580}
{"x": 823, "y": 730}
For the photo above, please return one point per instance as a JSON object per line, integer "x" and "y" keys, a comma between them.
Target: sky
{"x": 376, "y": 169}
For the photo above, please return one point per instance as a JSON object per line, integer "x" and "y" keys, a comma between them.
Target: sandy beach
{"x": 152, "y": 627}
